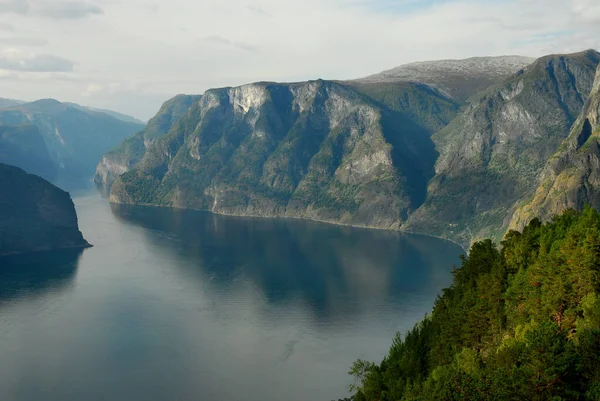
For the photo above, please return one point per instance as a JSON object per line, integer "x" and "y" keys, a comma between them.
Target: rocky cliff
{"x": 76, "y": 137}
{"x": 23, "y": 146}
{"x": 131, "y": 150}
{"x": 362, "y": 152}
{"x": 317, "y": 150}
{"x": 491, "y": 156}
{"x": 571, "y": 178}
{"x": 35, "y": 215}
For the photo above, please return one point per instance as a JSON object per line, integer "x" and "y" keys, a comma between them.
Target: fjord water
{"x": 182, "y": 305}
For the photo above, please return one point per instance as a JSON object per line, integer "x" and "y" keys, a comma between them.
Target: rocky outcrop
{"x": 317, "y": 150}
{"x": 24, "y": 147}
{"x": 571, "y": 178}
{"x": 131, "y": 150}
{"x": 492, "y": 155}
{"x": 35, "y": 215}
{"x": 76, "y": 137}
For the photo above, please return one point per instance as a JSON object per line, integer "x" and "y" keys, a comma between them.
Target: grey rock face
{"x": 316, "y": 150}
{"x": 492, "y": 155}
{"x": 131, "y": 150}
{"x": 571, "y": 178}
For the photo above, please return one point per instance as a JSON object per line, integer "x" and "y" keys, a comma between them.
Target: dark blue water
{"x": 175, "y": 305}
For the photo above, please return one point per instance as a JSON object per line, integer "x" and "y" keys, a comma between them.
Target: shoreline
{"x": 337, "y": 223}
{"x": 42, "y": 250}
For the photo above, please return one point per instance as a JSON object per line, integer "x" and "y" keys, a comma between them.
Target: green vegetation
{"x": 520, "y": 323}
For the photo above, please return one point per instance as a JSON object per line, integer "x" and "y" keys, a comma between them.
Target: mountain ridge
{"x": 496, "y": 144}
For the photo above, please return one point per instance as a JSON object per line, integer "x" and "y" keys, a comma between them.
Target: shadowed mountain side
{"x": 23, "y": 146}
{"x": 76, "y": 137}
{"x": 35, "y": 215}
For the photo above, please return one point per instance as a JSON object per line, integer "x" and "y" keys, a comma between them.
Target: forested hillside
{"x": 520, "y": 322}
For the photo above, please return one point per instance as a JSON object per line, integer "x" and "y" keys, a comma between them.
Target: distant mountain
{"x": 491, "y": 156}
{"x": 457, "y": 79}
{"x": 318, "y": 150}
{"x": 117, "y": 115}
{"x": 9, "y": 102}
{"x": 35, "y": 215}
{"x": 131, "y": 150}
{"x": 76, "y": 138}
{"x": 23, "y": 146}
{"x": 571, "y": 178}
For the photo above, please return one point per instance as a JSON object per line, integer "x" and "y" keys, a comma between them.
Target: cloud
{"x": 24, "y": 41}
{"x": 220, "y": 40}
{"x": 6, "y": 27}
{"x": 15, "y": 61}
{"x": 50, "y": 8}
{"x": 189, "y": 46}
{"x": 258, "y": 10}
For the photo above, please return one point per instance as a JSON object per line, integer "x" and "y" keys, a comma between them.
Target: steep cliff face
{"x": 316, "y": 150}
{"x": 571, "y": 178}
{"x": 491, "y": 156}
{"x": 35, "y": 215}
{"x": 131, "y": 150}
{"x": 24, "y": 147}
{"x": 76, "y": 137}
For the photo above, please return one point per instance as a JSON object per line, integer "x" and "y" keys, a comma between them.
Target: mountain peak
{"x": 458, "y": 79}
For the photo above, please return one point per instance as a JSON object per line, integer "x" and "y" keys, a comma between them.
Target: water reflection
{"x": 34, "y": 275}
{"x": 337, "y": 270}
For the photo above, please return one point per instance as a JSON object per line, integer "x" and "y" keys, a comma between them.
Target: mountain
{"x": 76, "y": 138}
{"x": 420, "y": 102}
{"x": 491, "y": 155}
{"x": 114, "y": 114}
{"x": 571, "y": 178}
{"x": 131, "y": 150}
{"x": 400, "y": 154}
{"x": 9, "y": 102}
{"x": 24, "y": 147}
{"x": 317, "y": 150}
{"x": 416, "y": 101}
{"x": 457, "y": 79}
{"x": 35, "y": 215}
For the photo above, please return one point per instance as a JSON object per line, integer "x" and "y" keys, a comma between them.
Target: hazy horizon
{"x": 131, "y": 56}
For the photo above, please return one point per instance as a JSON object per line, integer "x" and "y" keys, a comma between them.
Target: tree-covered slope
{"x": 521, "y": 323}
{"x": 35, "y": 215}
{"x": 24, "y": 147}
{"x": 571, "y": 178}
{"x": 491, "y": 155}
{"x": 316, "y": 150}
{"x": 76, "y": 138}
{"x": 131, "y": 150}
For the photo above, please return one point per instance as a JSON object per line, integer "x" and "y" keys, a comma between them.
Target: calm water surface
{"x": 176, "y": 305}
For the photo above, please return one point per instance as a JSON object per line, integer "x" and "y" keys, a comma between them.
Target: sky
{"x": 132, "y": 55}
